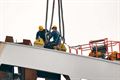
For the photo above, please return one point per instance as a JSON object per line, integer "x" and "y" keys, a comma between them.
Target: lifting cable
{"x": 53, "y": 7}
{"x": 62, "y": 21}
{"x": 60, "y": 15}
{"x": 47, "y": 4}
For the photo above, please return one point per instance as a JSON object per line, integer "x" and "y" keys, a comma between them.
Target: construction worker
{"x": 40, "y": 37}
{"x": 56, "y": 38}
{"x": 41, "y": 33}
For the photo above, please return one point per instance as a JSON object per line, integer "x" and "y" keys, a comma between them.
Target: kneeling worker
{"x": 40, "y": 36}
{"x": 56, "y": 38}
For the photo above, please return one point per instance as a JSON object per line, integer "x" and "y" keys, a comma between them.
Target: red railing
{"x": 95, "y": 43}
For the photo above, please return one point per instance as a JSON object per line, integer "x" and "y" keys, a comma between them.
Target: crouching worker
{"x": 56, "y": 39}
{"x": 40, "y": 37}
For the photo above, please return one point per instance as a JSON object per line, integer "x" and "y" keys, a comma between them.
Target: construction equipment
{"x": 75, "y": 67}
{"x": 60, "y": 47}
{"x": 39, "y": 42}
{"x": 114, "y": 56}
{"x": 60, "y": 17}
{"x": 101, "y": 47}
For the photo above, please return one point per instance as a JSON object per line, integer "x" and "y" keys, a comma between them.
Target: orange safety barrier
{"x": 95, "y": 43}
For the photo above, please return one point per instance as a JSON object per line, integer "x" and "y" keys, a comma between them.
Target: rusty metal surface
{"x": 1, "y": 48}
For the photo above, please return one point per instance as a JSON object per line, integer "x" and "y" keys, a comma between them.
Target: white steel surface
{"x": 77, "y": 67}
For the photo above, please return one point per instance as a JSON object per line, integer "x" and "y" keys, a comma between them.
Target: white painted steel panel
{"x": 77, "y": 67}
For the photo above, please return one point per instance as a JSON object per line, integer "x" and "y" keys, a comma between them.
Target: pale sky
{"x": 85, "y": 20}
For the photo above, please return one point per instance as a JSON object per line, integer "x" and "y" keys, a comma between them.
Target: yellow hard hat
{"x": 41, "y": 28}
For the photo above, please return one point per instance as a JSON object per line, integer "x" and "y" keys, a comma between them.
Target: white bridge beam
{"x": 76, "y": 66}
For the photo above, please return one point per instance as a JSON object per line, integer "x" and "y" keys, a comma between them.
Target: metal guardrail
{"x": 95, "y": 43}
